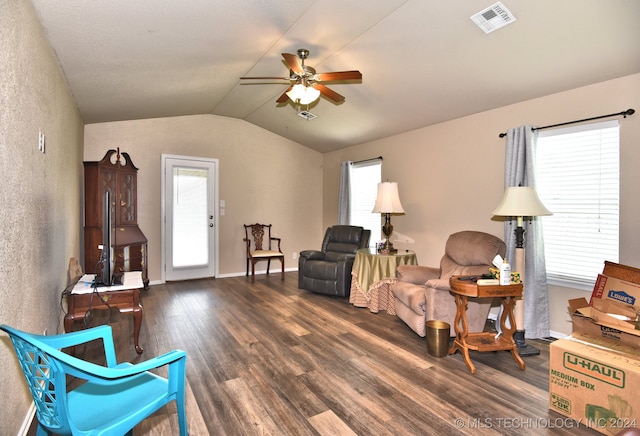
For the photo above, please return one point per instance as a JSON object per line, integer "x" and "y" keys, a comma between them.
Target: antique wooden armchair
{"x": 260, "y": 247}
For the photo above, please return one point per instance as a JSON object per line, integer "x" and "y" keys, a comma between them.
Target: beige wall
{"x": 39, "y": 210}
{"x": 262, "y": 178}
{"x": 450, "y": 175}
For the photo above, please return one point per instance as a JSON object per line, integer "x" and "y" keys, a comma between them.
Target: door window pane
{"x": 190, "y": 221}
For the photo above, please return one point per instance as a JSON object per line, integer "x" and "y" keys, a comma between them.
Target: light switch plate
{"x": 41, "y": 142}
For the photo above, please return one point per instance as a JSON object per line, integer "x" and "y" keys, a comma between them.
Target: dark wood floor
{"x": 269, "y": 359}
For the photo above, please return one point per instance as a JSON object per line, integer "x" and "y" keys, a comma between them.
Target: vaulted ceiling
{"x": 423, "y": 61}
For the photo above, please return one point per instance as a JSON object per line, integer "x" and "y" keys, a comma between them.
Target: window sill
{"x": 573, "y": 284}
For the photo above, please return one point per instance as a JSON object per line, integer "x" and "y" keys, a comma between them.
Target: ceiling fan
{"x": 305, "y": 85}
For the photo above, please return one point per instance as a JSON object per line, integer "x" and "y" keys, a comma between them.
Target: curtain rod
{"x": 367, "y": 160}
{"x": 624, "y": 113}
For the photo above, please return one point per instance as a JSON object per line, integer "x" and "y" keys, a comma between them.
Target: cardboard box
{"x": 595, "y": 385}
{"x": 620, "y": 271}
{"x": 615, "y": 289}
{"x": 611, "y": 313}
{"x": 595, "y": 325}
{"x": 515, "y": 276}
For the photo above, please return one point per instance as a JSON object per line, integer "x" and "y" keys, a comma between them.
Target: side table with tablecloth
{"x": 373, "y": 275}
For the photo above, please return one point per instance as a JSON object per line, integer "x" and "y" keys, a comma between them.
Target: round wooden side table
{"x": 464, "y": 288}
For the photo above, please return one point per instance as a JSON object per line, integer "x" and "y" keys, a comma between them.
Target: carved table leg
{"x": 508, "y": 318}
{"x": 137, "y": 320}
{"x": 461, "y": 326}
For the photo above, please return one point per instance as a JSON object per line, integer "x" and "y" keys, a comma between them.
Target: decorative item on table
{"x": 505, "y": 273}
{"x": 387, "y": 203}
{"x": 380, "y": 248}
{"x": 515, "y": 276}
{"x": 495, "y": 272}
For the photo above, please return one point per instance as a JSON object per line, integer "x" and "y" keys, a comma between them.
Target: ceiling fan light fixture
{"x": 303, "y": 94}
{"x": 305, "y": 85}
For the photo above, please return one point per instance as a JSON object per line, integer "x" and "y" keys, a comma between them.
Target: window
{"x": 577, "y": 178}
{"x": 364, "y": 179}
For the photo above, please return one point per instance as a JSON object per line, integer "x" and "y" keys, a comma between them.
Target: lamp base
{"x": 524, "y": 349}
{"x": 387, "y": 229}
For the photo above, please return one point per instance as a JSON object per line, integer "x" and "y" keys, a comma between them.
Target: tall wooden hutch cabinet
{"x": 117, "y": 174}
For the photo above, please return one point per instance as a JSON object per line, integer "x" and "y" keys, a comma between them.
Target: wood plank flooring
{"x": 270, "y": 359}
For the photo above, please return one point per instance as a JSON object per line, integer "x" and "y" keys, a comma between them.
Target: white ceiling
{"x": 423, "y": 61}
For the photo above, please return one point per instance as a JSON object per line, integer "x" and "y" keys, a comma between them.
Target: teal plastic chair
{"x": 115, "y": 397}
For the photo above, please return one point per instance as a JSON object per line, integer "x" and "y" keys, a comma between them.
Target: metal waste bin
{"x": 438, "y": 338}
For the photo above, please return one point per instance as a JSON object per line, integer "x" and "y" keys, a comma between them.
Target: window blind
{"x": 577, "y": 178}
{"x": 364, "y": 180}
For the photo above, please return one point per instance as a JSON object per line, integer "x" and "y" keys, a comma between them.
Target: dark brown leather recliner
{"x": 328, "y": 271}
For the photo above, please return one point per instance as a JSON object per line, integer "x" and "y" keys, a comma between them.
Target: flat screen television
{"x": 104, "y": 270}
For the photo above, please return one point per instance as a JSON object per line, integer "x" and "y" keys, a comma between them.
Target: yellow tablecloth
{"x": 372, "y": 277}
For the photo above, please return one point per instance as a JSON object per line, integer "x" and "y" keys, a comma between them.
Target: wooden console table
{"x": 126, "y": 298}
{"x": 462, "y": 290}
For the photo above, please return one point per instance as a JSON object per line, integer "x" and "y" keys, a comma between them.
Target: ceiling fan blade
{"x": 339, "y": 75}
{"x": 284, "y": 97}
{"x": 263, "y": 78}
{"x": 330, "y": 94}
{"x": 293, "y": 62}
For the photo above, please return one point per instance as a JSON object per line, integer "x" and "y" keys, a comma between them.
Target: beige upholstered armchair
{"x": 422, "y": 293}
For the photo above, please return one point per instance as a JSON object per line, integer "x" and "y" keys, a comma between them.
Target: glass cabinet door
{"x": 127, "y": 199}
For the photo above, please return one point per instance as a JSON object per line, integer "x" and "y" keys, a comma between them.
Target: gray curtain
{"x": 343, "y": 199}
{"x": 520, "y": 171}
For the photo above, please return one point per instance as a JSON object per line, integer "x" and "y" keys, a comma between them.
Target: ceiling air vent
{"x": 493, "y": 18}
{"x": 306, "y": 115}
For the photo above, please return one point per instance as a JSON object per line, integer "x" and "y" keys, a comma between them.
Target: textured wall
{"x": 39, "y": 208}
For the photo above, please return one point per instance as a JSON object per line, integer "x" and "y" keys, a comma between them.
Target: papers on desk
{"x": 84, "y": 285}
{"x": 130, "y": 280}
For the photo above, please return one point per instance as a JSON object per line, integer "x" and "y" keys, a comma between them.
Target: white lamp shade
{"x": 303, "y": 94}
{"x": 388, "y": 200}
{"x": 296, "y": 92}
{"x": 521, "y": 201}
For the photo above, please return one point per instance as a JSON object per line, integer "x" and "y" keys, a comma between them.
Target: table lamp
{"x": 387, "y": 203}
{"x": 519, "y": 202}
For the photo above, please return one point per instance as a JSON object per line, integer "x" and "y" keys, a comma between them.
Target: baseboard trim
{"x": 28, "y": 420}
{"x": 258, "y": 272}
{"x": 557, "y": 335}
{"x": 235, "y": 274}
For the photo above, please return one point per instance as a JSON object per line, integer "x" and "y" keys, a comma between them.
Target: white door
{"x": 190, "y": 213}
